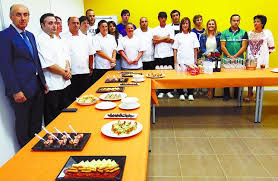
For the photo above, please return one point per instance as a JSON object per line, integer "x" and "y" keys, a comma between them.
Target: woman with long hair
{"x": 112, "y": 30}
{"x": 210, "y": 43}
{"x": 106, "y": 47}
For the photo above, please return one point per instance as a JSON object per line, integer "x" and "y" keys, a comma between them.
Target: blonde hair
{"x": 215, "y": 30}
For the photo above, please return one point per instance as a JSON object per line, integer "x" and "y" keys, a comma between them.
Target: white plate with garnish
{"x": 112, "y": 96}
{"x": 107, "y": 129}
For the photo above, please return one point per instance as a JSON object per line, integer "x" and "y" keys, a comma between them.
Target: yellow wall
{"x": 220, "y": 10}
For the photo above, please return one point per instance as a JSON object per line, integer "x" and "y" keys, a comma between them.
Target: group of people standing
{"x": 45, "y": 75}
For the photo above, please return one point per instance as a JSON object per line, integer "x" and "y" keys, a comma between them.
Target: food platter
{"x": 89, "y": 173}
{"x": 112, "y": 96}
{"x": 107, "y": 129}
{"x": 86, "y": 100}
{"x": 110, "y": 89}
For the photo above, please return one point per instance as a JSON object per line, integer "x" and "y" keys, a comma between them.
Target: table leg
{"x": 240, "y": 97}
{"x": 153, "y": 113}
{"x": 259, "y": 104}
{"x": 150, "y": 142}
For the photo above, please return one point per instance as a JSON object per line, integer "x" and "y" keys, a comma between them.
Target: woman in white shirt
{"x": 261, "y": 44}
{"x": 131, "y": 50}
{"x": 112, "y": 30}
{"x": 105, "y": 46}
{"x": 185, "y": 50}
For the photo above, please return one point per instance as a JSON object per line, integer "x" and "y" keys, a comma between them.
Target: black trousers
{"x": 54, "y": 102}
{"x": 98, "y": 73}
{"x": 149, "y": 65}
{"x": 79, "y": 84}
{"x": 28, "y": 117}
{"x": 227, "y": 92}
{"x": 165, "y": 61}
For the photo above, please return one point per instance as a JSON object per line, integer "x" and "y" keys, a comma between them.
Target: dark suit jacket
{"x": 17, "y": 66}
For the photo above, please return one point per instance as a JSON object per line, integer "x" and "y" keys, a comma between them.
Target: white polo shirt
{"x": 53, "y": 51}
{"x": 147, "y": 42}
{"x": 163, "y": 50}
{"x": 185, "y": 44}
{"x": 107, "y": 44}
{"x": 131, "y": 47}
{"x": 80, "y": 49}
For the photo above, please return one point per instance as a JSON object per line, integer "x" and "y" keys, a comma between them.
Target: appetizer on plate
{"x": 124, "y": 127}
{"x": 87, "y": 100}
{"x": 155, "y": 75}
{"x": 93, "y": 169}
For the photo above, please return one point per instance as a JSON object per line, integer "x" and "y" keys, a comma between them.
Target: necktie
{"x": 27, "y": 42}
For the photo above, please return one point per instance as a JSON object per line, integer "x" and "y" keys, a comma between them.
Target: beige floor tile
{"x": 164, "y": 146}
{"x": 200, "y": 165}
{"x": 272, "y": 130}
{"x": 162, "y": 129}
{"x": 262, "y": 145}
{"x": 204, "y": 179}
{"x": 242, "y": 165}
{"x": 186, "y": 130}
{"x": 248, "y": 179}
{"x": 234, "y": 146}
{"x": 255, "y": 130}
{"x": 220, "y": 131}
{"x": 193, "y": 146}
{"x": 164, "y": 178}
{"x": 270, "y": 162}
{"x": 163, "y": 165}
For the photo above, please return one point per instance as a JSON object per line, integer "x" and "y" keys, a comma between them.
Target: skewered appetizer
{"x": 121, "y": 115}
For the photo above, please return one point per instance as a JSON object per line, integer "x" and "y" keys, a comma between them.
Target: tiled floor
{"x": 212, "y": 140}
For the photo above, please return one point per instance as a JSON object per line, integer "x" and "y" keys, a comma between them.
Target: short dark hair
{"x": 57, "y": 17}
{"x": 183, "y": 21}
{"x": 88, "y": 11}
{"x": 45, "y": 16}
{"x": 125, "y": 11}
{"x": 262, "y": 18}
{"x": 197, "y": 17}
{"x": 175, "y": 11}
{"x": 84, "y": 18}
{"x": 233, "y": 16}
{"x": 162, "y": 14}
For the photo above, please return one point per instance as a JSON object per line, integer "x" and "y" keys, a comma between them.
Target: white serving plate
{"x": 105, "y": 105}
{"x": 107, "y": 130}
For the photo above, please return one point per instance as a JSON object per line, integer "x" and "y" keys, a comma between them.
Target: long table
{"x": 226, "y": 78}
{"x": 28, "y": 165}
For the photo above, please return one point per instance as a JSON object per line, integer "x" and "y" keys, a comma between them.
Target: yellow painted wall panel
{"x": 220, "y": 10}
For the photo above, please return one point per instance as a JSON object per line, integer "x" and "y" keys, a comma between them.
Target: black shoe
{"x": 226, "y": 98}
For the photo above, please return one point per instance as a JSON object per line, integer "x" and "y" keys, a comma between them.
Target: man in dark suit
{"x": 22, "y": 74}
